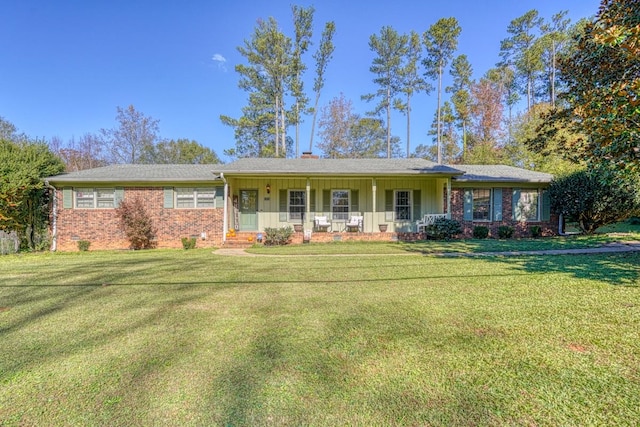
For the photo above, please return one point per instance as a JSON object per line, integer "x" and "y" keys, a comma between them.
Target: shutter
{"x": 67, "y": 198}
{"x": 516, "y": 214}
{"x": 168, "y": 197}
{"x": 219, "y": 197}
{"x": 497, "y": 204}
{"x": 326, "y": 202}
{"x": 388, "y": 205}
{"x": 312, "y": 203}
{"x": 282, "y": 196}
{"x": 355, "y": 202}
{"x": 468, "y": 204}
{"x": 417, "y": 205}
{"x": 546, "y": 206}
{"x": 118, "y": 196}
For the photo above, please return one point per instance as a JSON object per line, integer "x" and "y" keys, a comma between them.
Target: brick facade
{"x": 102, "y": 228}
{"x": 522, "y": 229}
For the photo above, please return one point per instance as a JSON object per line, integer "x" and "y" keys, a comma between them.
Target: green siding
{"x": 67, "y": 198}
{"x": 497, "y": 204}
{"x": 468, "y": 204}
{"x": 168, "y": 197}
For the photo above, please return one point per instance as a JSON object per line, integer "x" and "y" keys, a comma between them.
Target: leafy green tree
{"x": 390, "y": 48}
{"x": 23, "y": 198}
{"x": 302, "y": 21}
{"x": 595, "y": 197}
{"x": 602, "y": 75}
{"x": 254, "y": 130}
{"x": 181, "y": 151}
{"x": 462, "y": 73}
{"x": 135, "y": 134}
{"x": 322, "y": 57}
{"x": 440, "y": 42}
{"x": 522, "y": 53}
{"x": 409, "y": 80}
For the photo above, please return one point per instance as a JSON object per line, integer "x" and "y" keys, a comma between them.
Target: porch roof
{"x": 500, "y": 173}
{"x": 337, "y": 167}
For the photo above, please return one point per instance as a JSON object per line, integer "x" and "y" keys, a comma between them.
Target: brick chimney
{"x": 309, "y": 155}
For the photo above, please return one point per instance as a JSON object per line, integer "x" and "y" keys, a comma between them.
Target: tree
{"x": 461, "y": 71}
{"x": 486, "y": 112}
{"x": 553, "y": 39}
{"x": 181, "y": 151}
{"x": 136, "y": 223}
{"x": 440, "y": 42}
{"x": 602, "y": 76}
{"x": 322, "y": 57}
{"x": 522, "y": 53}
{"x": 390, "y": 48}
{"x": 254, "y": 130}
{"x": 77, "y": 155}
{"x": 23, "y": 198}
{"x": 450, "y": 151}
{"x": 135, "y": 134}
{"x": 595, "y": 198}
{"x": 302, "y": 20}
{"x": 409, "y": 80}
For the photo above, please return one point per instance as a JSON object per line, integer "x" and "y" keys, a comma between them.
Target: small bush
{"x": 277, "y": 236}
{"x": 480, "y": 232}
{"x": 137, "y": 224}
{"x": 634, "y": 220}
{"x": 505, "y": 232}
{"x": 83, "y": 245}
{"x": 444, "y": 229}
{"x": 189, "y": 242}
{"x": 535, "y": 230}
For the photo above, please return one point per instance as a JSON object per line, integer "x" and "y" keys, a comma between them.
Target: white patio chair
{"x": 321, "y": 223}
{"x": 354, "y": 224}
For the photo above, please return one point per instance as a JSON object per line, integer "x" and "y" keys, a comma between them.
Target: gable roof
{"x": 139, "y": 173}
{"x": 500, "y": 173}
{"x": 344, "y": 167}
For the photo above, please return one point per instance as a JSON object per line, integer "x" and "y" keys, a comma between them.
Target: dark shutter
{"x": 515, "y": 199}
{"x": 388, "y": 205}
{"x": 546, "y": 206}
{"x": 355, "y": 202}
{"x": 283, "y": 203}
{"x": 67, "y": 198}
{"x": 168, "y": 197}
{"x": 417, "y": 205}
{"x": 118, "y": 196}
{"x": 326, "y": 202}
{"x": 219, "y": 197}
{"x": 312, "y": 203}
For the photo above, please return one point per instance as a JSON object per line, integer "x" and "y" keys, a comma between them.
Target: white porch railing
{"x": 427, "y": 220}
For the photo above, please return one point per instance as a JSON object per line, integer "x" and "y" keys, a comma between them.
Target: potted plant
{"x": 297, "y": 228}
{"x": 382, "y": 227}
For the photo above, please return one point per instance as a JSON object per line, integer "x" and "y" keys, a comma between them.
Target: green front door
{"x": 248, "y": 210}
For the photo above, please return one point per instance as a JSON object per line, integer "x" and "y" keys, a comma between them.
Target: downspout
{"x": 54, "y": 217}
{"x": 225, "y": 220}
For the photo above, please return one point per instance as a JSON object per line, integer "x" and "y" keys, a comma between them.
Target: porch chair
{"x": 321, "y": 223}
{"x": 354, "y": 224}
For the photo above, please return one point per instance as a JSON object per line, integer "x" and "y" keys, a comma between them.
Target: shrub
{"x": 634, "y": 220}
{"x": 277, "y": 236}
{"x": 505, "y": 232}
{"x": 444, "y": 228}
{"x": 136, "y": 223}
{"x": 189, "y": 242}
{"x": 480, "y": 232}
{"x": 535, "y": 230}
{"x": 83, "y": 245}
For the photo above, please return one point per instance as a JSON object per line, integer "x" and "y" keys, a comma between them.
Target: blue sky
{"x": 65, "y": 65}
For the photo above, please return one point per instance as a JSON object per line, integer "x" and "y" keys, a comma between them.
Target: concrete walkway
{"x": 631, "y": 246}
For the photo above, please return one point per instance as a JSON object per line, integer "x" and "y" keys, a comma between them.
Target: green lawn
{"x": 193, "y": 338}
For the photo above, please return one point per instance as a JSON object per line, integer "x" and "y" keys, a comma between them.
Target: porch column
{"x": 449, "y": 198}
{"x": 374, "y": 190}
{"x": 307, "y": 194}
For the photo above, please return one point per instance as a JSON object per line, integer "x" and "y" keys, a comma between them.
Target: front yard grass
{"x": 194, "y": 338}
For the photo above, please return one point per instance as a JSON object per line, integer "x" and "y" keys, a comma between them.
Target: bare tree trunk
{"x": 277, "y": 125}
{"x": 439, "y": 143}
{"x": 408, "y": 126}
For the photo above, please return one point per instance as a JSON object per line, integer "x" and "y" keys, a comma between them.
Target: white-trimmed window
{"x": 95, "y": 198}
{"x": 481, "y": 204}
{"x": 402, "y": 205}
{"x": 190, "y": 198}
{"x": 297, "y": 204}
{"x": 527, "y": 205}
{"x": 340, "y": 204}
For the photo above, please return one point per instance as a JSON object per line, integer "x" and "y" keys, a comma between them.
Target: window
{"x": 189, "y": 198}
{"x": 526, "y": 205}
{"x": 297, "y": 204}
{"x": 92, "y": 198}
{"x": 482, "y": 204}
{"x": 340, "y": 204}
{"x": 402, "y": 205}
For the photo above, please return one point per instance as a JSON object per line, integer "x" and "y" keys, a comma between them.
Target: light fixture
{"x": 268, "y": 188}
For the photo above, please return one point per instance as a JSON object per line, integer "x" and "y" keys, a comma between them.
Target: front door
{"x": 248, "y": 210}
